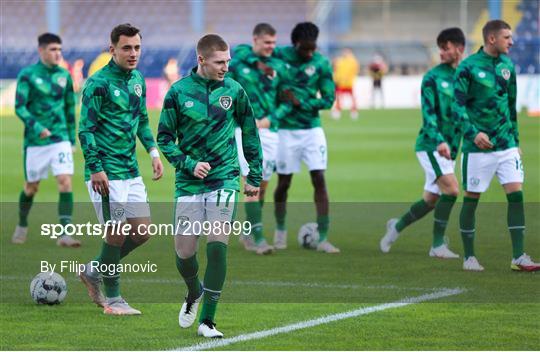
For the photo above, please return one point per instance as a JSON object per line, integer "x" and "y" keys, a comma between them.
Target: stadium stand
{"x": 394, "y": 31}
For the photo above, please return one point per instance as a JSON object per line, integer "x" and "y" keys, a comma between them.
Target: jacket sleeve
{"x": 69, "y": 110}
{"x": 512, "y": 97}
{"x": 144, "y": 133}
{"x": 167, "y": 136}
{"x": 22, "y": 100}
{"x": 244, "y": 52}
{"x": 327, "y": 88}
{"x": 429, "y": 109}
{"x": 251, "y": 143}
{"x": 92, "y": 100}
{"x": 462, "y": 82}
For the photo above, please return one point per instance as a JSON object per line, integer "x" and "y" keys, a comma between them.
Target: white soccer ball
{"x": 48, "y": 288}
{"x": 308, "y": 236}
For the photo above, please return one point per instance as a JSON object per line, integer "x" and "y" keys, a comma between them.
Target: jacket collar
{"x": 117, "y": 70}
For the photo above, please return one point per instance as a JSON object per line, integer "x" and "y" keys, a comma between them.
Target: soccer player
{"x": 485, "y": 102}
{"x": 346, "y": 68}
{"x": 196, "y": 135}
{"x": 436, "y": 148}
{"x": 45, "y": 103}
{"x": 262, "y": 85}
{"x": 113, "y": 115}
{"x": 301, "y": 138}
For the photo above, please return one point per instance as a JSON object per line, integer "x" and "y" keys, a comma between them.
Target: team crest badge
{"x": 444, "y": 84}
{"x": 138, "y": 89}
{"x": 118, "y": 213}
{"x": 225, "y": 102}
{"x": 188, "y": 104}
{"x": 310, "y": 70}
{"x": 505, "y": 73}
{"x": 482, "y": 74}
{"x": 246, "y": 70}
{"x": 62, "y": 81}
{"x": 116, "y": 93}
{"x": 39, "y": 81}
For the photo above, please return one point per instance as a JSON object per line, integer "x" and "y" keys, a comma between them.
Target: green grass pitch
{"x": 373, "y": 175}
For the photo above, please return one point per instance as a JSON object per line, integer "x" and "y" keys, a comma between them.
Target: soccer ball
{"x": 48, "y": 288}
{"x": 308, "y": 236}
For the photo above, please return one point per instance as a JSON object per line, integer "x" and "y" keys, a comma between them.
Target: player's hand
{"x": 267, "y": 70}
{"x": 157, "y": 167}
{"x": 201, "y": 169}
{"x": 482, "y": 141}
{"x": 444, "y": 150}
{"x": 100, "y": 183}
{"x": 250, "y": 191}
{"x": 45, "y": 133}
{"x": 263, "y": 123}
{"x": 288, "y": 95}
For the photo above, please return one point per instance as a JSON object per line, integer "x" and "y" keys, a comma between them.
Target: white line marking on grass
{"x": 257, "y": 283}
{"x": 320, "y": 321}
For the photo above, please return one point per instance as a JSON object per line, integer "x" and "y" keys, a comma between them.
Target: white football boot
{"x": 208, "y": 329}
{"x": 20, "y": 234}
{"x": 471, "y": 264}
{"x": 67, "y": 241}
{"x": 327, "y": 247}
{"x": 188, "y": 312}
{"x": 524, "y": 263}
{"x": 442, "y": 252}
{"x": 280, "y": 239}
{"x": 390, "y": 237}
{"x": 118, "y": 306}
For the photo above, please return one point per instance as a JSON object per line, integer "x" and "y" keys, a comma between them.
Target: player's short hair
{"x": 453, "y": 35}
{"x": 264, "y": 28}
{"x": 210, "y": 43}
{"x": 124, "y": 29}
{"x": 304, "y": 31}
{"x": 493, "y": 26}
{"x": 48, "y": 38}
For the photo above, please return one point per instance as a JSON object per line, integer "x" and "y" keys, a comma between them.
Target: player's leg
{"x": 289, "y": 158}
{"x": 449, "y": 188}
{"x": 188, "y": 218}
{"x": 280, "y": 210}
{"x": 246, "y": 239}
{"x": 65, "y": 209}
{"x": 62, "y": 168}
{"x": 253, "y": 204}
{"x": 315, "y": 155}
{"x": 26, "y": 199}
{"x": 110, "y": 211}
{"x": 36, "y": 163}
{"x": 336, "y": 110}
{"x": 354, "y": 109}
{"x": 477, "y": 170}
{"x": 511, "y": 175}
{"x": 220, "y": 209}
{"x": 420, "y": 208}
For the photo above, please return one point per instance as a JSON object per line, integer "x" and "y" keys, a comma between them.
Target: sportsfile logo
{"x": 183, "y": 227}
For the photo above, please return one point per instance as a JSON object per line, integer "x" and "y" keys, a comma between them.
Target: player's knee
{"x": 64, "y": 183}
{"x": 453, "y": 191}
{"x": 317, "y": 179}
{"x": 283, "y": 184}
{"x": 31, "y": 189}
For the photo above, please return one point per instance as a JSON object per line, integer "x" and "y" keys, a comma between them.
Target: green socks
{"x": 25, "y": 203}
{"x": 216, "y": 253}
{"x": 417, "y": 211}
{"x": 516, "y": 222}
{"x": 322, "y": 227}
{"x": 128, "y": 246}
{"x": 441, "y": 215}
{"x": 466, "y": 224}
{"x": 111, "y": 280}
{"x": 65, "y": 207}
{"x": 189, "y": 270}
{"x": 254, "y": 216}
